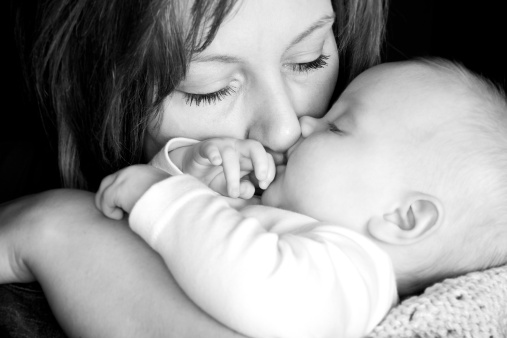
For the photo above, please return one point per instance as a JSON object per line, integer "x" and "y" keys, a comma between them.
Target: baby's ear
{"x": 411, "y": 221}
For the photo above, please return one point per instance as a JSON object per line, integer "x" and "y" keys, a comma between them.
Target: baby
{"x": 398, "y": 186}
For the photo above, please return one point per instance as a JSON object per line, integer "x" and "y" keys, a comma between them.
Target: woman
{"x": 122, "y": 77}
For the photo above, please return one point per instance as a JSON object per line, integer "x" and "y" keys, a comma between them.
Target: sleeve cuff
{"x": 162, "y": 160}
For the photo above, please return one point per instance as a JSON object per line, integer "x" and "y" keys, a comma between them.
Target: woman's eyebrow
{"x": 216, "y": 58}
{"x": 324, "y": 21}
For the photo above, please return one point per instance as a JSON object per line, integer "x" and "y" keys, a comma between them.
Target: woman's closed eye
{"x": 305, "y": 67}
{"x": 208, "y": 98}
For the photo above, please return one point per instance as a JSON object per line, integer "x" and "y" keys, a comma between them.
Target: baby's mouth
{"x": 279, "y": 158}
{"x": 280, "y": 169}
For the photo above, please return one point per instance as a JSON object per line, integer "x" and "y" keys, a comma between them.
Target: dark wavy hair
{"x": 102, "y": 68}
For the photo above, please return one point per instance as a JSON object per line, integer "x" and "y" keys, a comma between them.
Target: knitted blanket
{"x": 473, "y": 305}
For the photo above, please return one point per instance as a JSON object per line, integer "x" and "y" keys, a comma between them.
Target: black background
{"x": 471, "y": 32}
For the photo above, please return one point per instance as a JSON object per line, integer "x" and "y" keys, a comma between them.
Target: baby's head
{"x": 414, "y": 156}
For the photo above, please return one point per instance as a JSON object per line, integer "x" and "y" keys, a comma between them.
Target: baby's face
{"x": 346, "y": 167}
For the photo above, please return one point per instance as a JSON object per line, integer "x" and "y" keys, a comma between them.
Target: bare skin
{"x": 155, "y": 306}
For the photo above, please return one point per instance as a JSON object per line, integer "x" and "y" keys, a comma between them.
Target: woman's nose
{"x": 310, "y": 125}
{"x": 275, "y": 122}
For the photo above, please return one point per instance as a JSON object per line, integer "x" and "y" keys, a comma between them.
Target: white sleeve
{"x": 162, "y": 161}
{"x": 319, "y": 280}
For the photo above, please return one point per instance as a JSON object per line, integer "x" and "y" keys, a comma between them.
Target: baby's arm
{"x": 285, "y": 277}
{"x": 221, "y": 163}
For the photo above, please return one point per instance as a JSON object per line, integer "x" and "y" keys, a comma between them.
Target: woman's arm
{"x": 100, "y": 278}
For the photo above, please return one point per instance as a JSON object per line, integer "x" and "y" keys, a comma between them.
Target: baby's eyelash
{"x": 319, "y": 62}
{"x": 209, "y": 97}
{"x": 333, "y": 128}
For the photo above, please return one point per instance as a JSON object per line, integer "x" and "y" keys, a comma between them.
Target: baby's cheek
{"x": 271, "y": 196}
{"x": 293, "y": 190}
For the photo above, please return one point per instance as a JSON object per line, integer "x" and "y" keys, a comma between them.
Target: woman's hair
{"x": 102, "y": 68}
{"x": 360, "y": 31}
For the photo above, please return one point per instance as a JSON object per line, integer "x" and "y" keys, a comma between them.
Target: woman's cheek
{"x": 314, "y": 97}
{"x": 177, "y": 118}
{"x": 226, "y": 118}
{"x": 319, "y": 90}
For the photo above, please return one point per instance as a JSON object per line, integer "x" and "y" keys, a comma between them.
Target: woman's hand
{"x": 101, "y": 279}
{"x": 14, "y": 215}
{"x": 31, "y": 225}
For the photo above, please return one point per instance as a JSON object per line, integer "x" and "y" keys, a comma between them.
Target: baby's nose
{"x": 309, "y": 125}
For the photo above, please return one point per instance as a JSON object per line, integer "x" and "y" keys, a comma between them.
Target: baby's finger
{"x": 246, "y": 189}
{"x": 211, "y": 152}
{"x": 271, "y": 172}
{"x": 219, "y": 184}
{"x": 116, "y": 213}
{"x": 106, "y": 182}
{"x": 109, "y": 204}
{"x": 257, "y": 155}
{"x": 230, "y": 163}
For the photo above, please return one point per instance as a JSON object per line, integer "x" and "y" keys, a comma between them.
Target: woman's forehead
{"x": 261, "y": 25}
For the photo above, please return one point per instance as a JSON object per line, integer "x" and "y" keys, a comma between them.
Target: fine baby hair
{"x": 461, "y": 159}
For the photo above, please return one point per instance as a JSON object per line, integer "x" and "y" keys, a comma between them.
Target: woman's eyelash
{"x": 209, "y": 97}
{"x": 320, "y": 62}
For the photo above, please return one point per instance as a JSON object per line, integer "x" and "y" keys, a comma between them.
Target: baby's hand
{"x": 119, "y": 192}
{"x": 223, "y": 163}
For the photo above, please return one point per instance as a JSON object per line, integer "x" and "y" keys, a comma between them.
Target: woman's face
{"x": 271, "y": 62}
